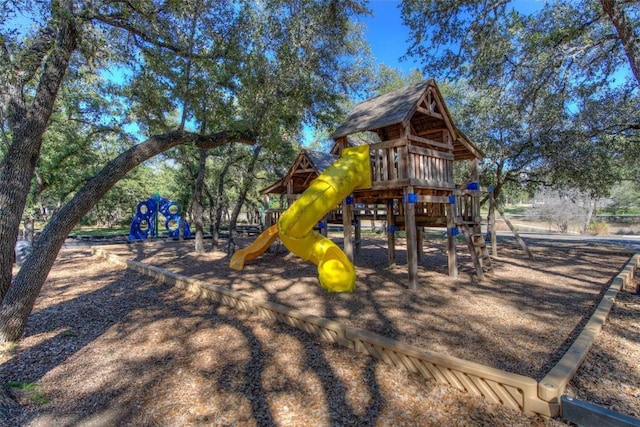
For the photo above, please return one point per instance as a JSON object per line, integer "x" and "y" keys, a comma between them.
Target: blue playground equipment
{"x": 145, "y": 221}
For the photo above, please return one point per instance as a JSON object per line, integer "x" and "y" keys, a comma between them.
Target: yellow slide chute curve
{"x": 295, "y": 227}
{"x": 254, "y": 250}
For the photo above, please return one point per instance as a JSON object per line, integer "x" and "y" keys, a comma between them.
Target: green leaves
{"x": 546, "y": 92}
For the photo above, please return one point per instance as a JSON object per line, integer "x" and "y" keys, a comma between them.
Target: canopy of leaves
{"x": 147, "y": 67}
{"x": 549, "y": 95}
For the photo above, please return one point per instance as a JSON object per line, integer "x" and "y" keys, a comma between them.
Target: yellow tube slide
{"x": 257, "y": 248}
{"x": 335, "y": 271}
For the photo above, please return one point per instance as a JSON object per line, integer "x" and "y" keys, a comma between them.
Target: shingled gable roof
{"x": 319, "y": 162}
{"x": 382, "y": 110}
{"x": 398, "y": 107}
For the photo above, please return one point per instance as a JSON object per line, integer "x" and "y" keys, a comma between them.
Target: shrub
{"x": 598, "y": 228}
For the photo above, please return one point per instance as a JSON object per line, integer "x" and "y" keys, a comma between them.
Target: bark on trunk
{"x": 27, "y": 127}
{"x": 211, "y": 213}
{"x": 626, "y": 32}
{"x": 241, "y": 199}
{"x": 219, "y": 205}
{"x": 22, "y": 293}
{"x": 591, "y": 207}
{"x": 197, "y": 202}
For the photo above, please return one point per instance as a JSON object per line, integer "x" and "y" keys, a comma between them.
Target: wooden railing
{"x": 394, "y": 164}
{"x": 430, "y": 168}
{"x": 271, "y": 216}
{"x": 466, "y": 208}
{"x": 388, "y": 164}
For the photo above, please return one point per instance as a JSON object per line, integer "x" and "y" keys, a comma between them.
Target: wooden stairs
{"x": 477, "y": 249}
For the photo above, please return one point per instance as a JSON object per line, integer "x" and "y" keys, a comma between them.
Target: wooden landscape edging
{"x": 553, "y": 385}
{"x": 514, "y": 391}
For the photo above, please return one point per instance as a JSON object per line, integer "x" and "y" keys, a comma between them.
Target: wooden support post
{"x": 347, "y": 209}
{"x": 325, "y": 230}
{"x": 358, "y": 226}
{"x": 375, "y": 218}
{"x": 523, "y": 245}
{"x": 391, "y": 233}
{"x": 451, "y": 243}
{"x": 475, "y": 173}
{"x": 475, "y": 198}
{"x": 492, "y": 224}
{"x": 420, "y": 236}
{"x": 410, "y": 229}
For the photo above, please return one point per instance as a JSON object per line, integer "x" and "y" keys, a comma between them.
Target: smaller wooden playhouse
{"x": 413, "y": 144}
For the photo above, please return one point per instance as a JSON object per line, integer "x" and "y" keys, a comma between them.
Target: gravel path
{"x": 107, "y": 346}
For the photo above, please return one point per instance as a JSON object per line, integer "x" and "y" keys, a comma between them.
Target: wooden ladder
{"x": 478, "y": 249}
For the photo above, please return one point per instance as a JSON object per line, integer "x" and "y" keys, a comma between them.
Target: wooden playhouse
{"x": 413, "y": 144}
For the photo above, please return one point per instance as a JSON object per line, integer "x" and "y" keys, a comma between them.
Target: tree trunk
{"x": 491, "y": 225}
{"x": 27, "y": 127}
{"x": 211, "y": 215}
{"x": 22, "y": 293}
{"x": 624, "y": 27}
{"x": 197, "y": 202}
{"x": 590, "y": 209}
{"x": 219, "y": 205}
{"x": 247, "y": 183}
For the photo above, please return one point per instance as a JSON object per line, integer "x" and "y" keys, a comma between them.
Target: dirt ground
{"x": 110, "y": 346}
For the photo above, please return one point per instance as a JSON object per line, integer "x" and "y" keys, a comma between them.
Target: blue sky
{"x": 388, "y": 36}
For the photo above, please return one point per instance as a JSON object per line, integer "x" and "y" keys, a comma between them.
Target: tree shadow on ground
{"x": 157, "y": 328}
{"x": 382, "y": 304}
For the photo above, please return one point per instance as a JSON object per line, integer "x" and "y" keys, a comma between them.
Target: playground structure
{"x": 145, "y": 222}
{"x": 409, "y": 144}
{"x": 295, "y": 225}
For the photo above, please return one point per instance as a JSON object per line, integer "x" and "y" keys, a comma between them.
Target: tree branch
{"x": 20, "y": 297}
{"x": 623, "y": 25}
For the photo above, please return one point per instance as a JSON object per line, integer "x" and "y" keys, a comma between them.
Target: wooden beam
{"x": 347, "y": 229}
{"x": 408, "y": 159}
{"x": 390, "y": 185}
{"x": 410, "y": 229}
{"x": 398, "y": 142}
{"x": 358, "y": 237}
{"x": 391, "y": 235}
{"x": 431, "y": 153}
{"x": 523, "y": 245}
{"x": 429, "y": 113}
{"x": 452, "y": 257}
{"x": 420, "y": 236}
{"x": 433, "y": 199}
{"x": 492, "y": 224}
{"x": 423, "y": 220}
{"x": 442, "y": 107}
{"x": 431, "y": 142}
{"x": 475, "y": 172}
{"x": 306, "y": 181}
{"x": 325, "y": 230}
{"x": 424, "y": 183}
{"x": 305, "y": 170}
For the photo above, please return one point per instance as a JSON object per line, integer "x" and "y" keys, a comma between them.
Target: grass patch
{"x": 97, "y": 231}
{"x": 7, "y": 350}
{"x": 31, "y": 391}
{"x": 515, "y": 210}
{"x": 68, "y": 334}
